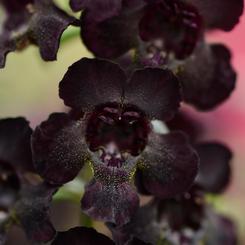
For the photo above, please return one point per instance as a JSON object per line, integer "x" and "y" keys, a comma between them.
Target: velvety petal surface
{"x": 81, "y": 235}
{"x": 110, "y": 203}
{"x": 169, "y": 165}
{"x": 33, "y": 212}
{"x": 100, "y": 9}
{"x": 215, "y": 169}
{"x": 208, "y": 77}
{"x": 46, "y": 27}
{"x": 155, "y": 91}
{"x": 59, "y": 148}
{"x": 90, "y": 82}
{"x": 15, "y": 148}
{"x": 39, "y": 22}
{"x": 222, "y": 14}
{"x": 111, "y": 37}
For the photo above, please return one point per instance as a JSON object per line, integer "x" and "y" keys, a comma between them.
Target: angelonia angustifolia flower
{"x": 125, "y": 123}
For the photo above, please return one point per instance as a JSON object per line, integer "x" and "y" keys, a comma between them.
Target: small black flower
{"x": 32, "y": 21}
{"x": 115, "y": 136}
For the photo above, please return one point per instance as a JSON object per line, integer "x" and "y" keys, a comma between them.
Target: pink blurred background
{"x": 227, "y": 123}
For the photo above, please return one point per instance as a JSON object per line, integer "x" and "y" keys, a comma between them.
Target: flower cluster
{"x": 123, "y": 123}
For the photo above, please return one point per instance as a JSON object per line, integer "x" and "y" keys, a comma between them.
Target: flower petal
{"x": 112, "y": 37}
{"x": 169, "y": 165}
{"x": 155, "y": 91}
{"x": 215, "y": 170}
{"x": 40, "y": 22}
{"x": 99, "y": 9}
{"x": 6, "y": 46}
{"x": 207, "y": 76}
{"x": 59, "y": 148}
{"x": 15, "y": 147}
{"x": 222, "y": 14}
{"x": 33, "y": 212}
{"x": 90, "y": 82}
{"x": 110, "y": 203}
{"x": 47, "y": 26}
{"x": 82, "y": 235}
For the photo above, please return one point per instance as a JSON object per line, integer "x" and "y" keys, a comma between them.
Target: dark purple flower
{"x": 207, "y": 76}
{"x": 175, "y": 25}
{"x": 38, "y": 22}
{"x": 115, "y": 136}
{"x": 186, "y": 216}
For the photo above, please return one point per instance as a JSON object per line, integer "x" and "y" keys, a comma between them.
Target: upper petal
{"x": 90, "y": 82}
{"x": 59, "y": 148}
{"x": 215, "y": 170}
{"x": 81, "y": 235}
{"x": 15, "y": 146}
{"x": 207, "y": 77}
{"x": 155, "y": 91}
{"x": 169, "y": 165}
{"x": 111, "y": 37}
{"x": 222, "y": 14}
{"x": 100, "y": 9}
{"x": 115, "y": 203}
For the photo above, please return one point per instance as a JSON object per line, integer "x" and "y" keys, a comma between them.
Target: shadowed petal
{"x": 15, "y": 147}
{"x": 90, "y": 82}
{"x": 155, "y": 91}
{"x": 33, "y": 212}
{"x": 222, "y": 14}
{"x": 6, "y": 46}
{"x": 207, "y": 76}
{"x": 215, "y": 170}
{"x": 38, "y": 22}
{"x": 81, "y": 235}
{"x": 59, "y": 148}
{"x": 169, "y": 165}
{"x": 110, "y": 203}
{"x": 100, "y": 9}
{"x": 47, "y": 26}
{"x": 112, "y": 37}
